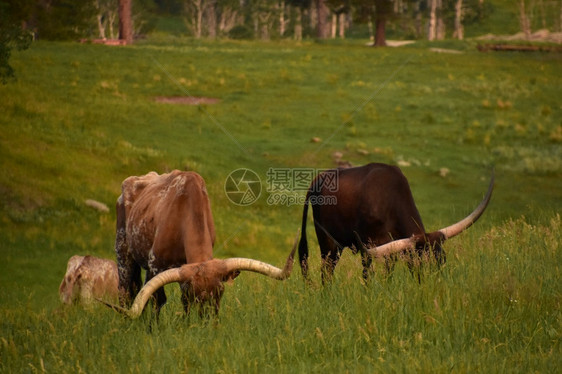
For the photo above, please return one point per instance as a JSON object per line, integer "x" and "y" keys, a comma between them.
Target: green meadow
{"x": 81, "y": 118}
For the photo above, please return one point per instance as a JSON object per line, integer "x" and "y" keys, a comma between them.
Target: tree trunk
{"x": 459, "y": 29}
{"x": 312, "y": 16}
{"x": 380, "y": 32}
{"x": 419, "y": 24}
{"x": 524, "y": 20}
{"x": 440, "y": 32}
{"x": 264, "y": 28}
{"x": 227, "y": 20}
{"x": 298, "y": 23}
{"x": 101, "y": 26}
{"x": 211, "y": 16}
{"x": 342, "y": 24}
{"x": 281, "y": 18}
{"x": 383, "y": 10}
{"x": 370, "y": 27}
{"x": 199, "y": 18}
{"x": 263, "y": 18}
{"x": 125, "y": 21}
{"x": 432, "y": 32}
{"x": 322, "y": 25}
{"x": 111, "y": 22}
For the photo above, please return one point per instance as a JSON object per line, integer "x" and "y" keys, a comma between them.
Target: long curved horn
{"x": 464, "y": 224}
{"x": 392, "y": 247}
{"x": 158, "y": 281}
{"x": 448, "y": 232}
{"x": 256, "y": 266}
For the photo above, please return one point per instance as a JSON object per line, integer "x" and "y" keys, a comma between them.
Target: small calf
{"x": 89, "y": 277}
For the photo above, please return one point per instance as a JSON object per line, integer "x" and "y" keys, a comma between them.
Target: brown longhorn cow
{"x": 371, "y": 205}
{"x": 165, "y": 226}
{"x": 88, "y": 277}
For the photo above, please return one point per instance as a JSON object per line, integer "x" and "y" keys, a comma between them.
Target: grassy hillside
{"x": 81, "y": 118}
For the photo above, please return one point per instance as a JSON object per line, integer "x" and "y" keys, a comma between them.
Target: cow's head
{"x": 430, "y": 245}
{"x": 68, "y": 290}
{"x": 203, "y": 283}
{"x": 432, "y": 241}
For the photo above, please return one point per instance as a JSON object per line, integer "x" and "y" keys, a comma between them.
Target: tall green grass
{"x": 81, "y": 118}
{"x": 494, "y": 307}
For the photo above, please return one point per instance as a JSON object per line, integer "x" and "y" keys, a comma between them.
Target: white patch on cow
{"x": 151, "y": 259}
{"x": 178, "y": 185}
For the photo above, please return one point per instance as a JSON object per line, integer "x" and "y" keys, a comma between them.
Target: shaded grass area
{"x": 81, "y": 118}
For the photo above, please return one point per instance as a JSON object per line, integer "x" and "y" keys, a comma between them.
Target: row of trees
{"x": 23, "y": 20}
{"x": 260, "y": 19}
{"x": 267, "y": 19}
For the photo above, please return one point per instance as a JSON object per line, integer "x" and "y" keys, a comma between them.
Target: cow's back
{"x": 375, "y": 200}
{"x": 89, "y": 277}
{"x": 168, "y": 219}
{"x": 103, "y": 275}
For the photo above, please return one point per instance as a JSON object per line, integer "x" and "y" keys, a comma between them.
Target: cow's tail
{"x": 314, "y": 190}
{"x": 303, "y": 244}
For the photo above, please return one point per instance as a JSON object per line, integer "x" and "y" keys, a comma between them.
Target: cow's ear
{"x": 229, "y": 277}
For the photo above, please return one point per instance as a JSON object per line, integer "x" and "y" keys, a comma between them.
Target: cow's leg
{"x": 329, "y": 262}
{"x": 156, "y": 267}
{"x": 366, "y": 259}
{"x": 127, "y": 268}
{"x": 129, "y": 282}
{"x": 330, "y": 252}
{"x": 129, "y": 275}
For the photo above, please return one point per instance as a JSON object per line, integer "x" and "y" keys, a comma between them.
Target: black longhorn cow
{"x": 372, "y": 205}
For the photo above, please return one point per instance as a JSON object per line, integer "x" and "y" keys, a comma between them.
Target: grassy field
{"x": 81, "y": 118}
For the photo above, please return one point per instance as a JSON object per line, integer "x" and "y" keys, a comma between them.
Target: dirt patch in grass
{"x": 186, "y": 100}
